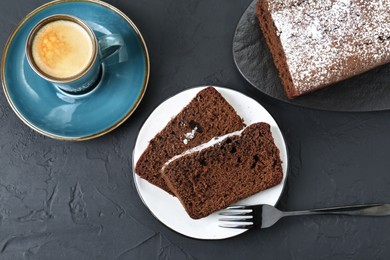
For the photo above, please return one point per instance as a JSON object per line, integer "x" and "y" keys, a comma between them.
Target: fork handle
{"x": 356, "y": 210}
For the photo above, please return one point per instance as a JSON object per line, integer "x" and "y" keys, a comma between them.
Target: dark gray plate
{"x": 367, "y": 92}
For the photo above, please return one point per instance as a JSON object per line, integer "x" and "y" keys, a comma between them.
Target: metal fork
{"x": 263, "y": 216}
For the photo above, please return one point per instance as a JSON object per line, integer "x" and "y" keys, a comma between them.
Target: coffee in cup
{"x": 62, "y": 49}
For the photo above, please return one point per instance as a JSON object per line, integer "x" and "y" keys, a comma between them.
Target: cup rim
{"x": 53, "y": 18}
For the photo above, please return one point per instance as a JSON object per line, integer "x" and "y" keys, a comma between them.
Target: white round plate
{"x": 166, "y": 207}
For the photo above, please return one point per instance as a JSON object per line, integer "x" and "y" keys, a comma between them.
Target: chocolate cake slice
{"x": 318, "y": 43}
{"x": 211, "y": 176}
{"x": 206, "y": 116}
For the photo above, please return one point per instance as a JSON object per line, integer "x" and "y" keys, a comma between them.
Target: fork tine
{"x": 237, "y": 207}
{"x": 240, "y": 219}
{"x": 247, "y": 225}
{"x": 235, "y": 212}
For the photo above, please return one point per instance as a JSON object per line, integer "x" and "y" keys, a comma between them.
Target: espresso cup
{"x": 65, "y": 51}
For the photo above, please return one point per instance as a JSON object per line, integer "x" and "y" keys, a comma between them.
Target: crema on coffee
{"x": 62, "y": 49}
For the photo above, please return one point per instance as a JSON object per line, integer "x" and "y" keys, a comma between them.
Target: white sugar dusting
{"x": 328, "y": 40}
{"x": 189, "y": 136}
{"x": 315, "y": 30}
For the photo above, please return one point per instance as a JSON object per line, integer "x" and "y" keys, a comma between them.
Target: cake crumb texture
{"x": 235, "y": 168}
{"x": 206, "y": 116}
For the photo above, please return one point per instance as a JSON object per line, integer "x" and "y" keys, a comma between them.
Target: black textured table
{"x": 77, "y": 200}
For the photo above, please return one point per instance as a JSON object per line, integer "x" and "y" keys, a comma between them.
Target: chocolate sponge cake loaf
{"x": 207, "y": 115}
{"x": 317, "y": 43}
{"x": 211, "y": 176}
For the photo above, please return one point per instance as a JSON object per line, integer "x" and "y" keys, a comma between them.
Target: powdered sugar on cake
{"x": 189, "y": 136}
{"x": 324, "y": 41}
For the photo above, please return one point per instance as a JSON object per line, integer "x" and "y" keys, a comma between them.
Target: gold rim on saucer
{"x": 95, "y": 135}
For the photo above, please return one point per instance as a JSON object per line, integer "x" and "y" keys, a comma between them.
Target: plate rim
{"x": 284, "y": 181}
{"x": 233, "y": 51}
{"x": 109, "y": 128}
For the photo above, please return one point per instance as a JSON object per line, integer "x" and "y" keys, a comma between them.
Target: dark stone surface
{"x": 67, "y": 200}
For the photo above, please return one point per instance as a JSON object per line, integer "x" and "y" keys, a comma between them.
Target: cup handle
{"x": 109, "y": 45}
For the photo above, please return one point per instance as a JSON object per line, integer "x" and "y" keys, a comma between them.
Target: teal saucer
{"x": 59, "y": 115}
